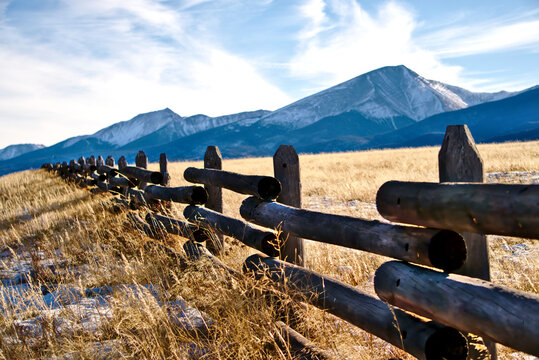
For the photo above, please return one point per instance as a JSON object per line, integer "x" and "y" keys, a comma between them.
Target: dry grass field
{"x": 69, "y": 245}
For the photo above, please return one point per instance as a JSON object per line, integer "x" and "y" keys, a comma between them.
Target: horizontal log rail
{"x": 192, "y": 195}
{"x": 121, "y": 182}
{"x": 264, "y": 187}
{"x": 260, "y": 239}
{"x": 143, "y": 175}
{"x": 107, "y": 170}
{"x": 75, "y": 167}
{"x": 107, "y": 187}
{"x": 88, "y": 169}
{"x": 439, "y": 248}
{"x": 501, "y": 209}
{"x": 98, "y": 177}
{"x": 422, "y": 339}
{"x": 495, "y": 312}
{"x": 178, "y": 227}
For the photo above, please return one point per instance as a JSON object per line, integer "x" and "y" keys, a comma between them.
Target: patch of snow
{"x": 12, "y": 151}
{"x": 127, "y": 131}
{"x": 380, "y": 94}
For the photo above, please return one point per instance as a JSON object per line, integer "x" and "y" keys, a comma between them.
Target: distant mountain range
{"x": 388, "y": 107}
{"x": 12, "y": 151}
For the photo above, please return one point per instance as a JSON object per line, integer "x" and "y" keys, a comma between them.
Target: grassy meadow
{"x": 91, "y": 243}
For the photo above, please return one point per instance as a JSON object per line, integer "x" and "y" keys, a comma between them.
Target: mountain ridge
{"x": 12, "y": 151}
{"x": 352, "y": 115}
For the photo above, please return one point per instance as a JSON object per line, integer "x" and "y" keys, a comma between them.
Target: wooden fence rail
{"x": 500, "y": 209}
{"x": 439, "y": 248}
{"x": 495, "y": 312}
{"x": 458, "y": 303}
{"x": 424, "y": 340}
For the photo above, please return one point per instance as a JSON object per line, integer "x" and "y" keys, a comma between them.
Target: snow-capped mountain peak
{"x": 388, "y": 92}
{"x": 13, "y": 151}
{"x": 124, "y": 132}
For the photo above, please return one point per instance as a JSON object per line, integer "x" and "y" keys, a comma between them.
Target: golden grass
{"x": 41, "y": 214}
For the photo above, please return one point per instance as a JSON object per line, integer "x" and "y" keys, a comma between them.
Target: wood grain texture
{"x": 421, "y": 338}
{"x": 192, "y": 195}
{"x": 214, "y": 160}
{"x": 460, "y": 161}
{"x": 163, "y": 169}
{"x": 439, "y": 248}
{"x": 286, "y": 169}
{"x": 495, "y": 312}
{"x": 253, "y": 236}
{"x": 501, "y": 209}
{"x": 264, "y": 187}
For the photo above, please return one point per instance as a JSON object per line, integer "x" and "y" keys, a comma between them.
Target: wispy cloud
{"x": 88, "y": 64}
{"x": 359, "y": 41}
{"x": 483, "y": 38}
{"x": 341, "y": 40}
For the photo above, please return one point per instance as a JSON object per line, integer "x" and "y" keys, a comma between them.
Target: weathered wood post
{"x": 100, "y": 162}
{"x": 141, "y": 161}
{"x": 163, "y": 169}
{"x": 122, "y": 162}
{"x": 214, "y": 160}
{"x": 91, "y": 160}
{"x": 109, "y": 161}
{"x": 286, "y": 170}
{"x": 459, "y": 161}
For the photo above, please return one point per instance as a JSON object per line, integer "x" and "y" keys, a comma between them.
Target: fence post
{"x": 109, "y": 161}
{"x": 214, "y": 160}
{"x": 163, "y": 168}
{"x": 141, "y": 161}
{"x": 100, "y": 161}
{"x": 459, "y": 161}
{"x": 122, "y": 162}
{"x": 286, "y": 169}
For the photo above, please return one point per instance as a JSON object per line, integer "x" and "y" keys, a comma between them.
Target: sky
{"x": 72, "y": 67}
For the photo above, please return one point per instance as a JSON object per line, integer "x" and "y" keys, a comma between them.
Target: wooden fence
{"x": 448, "y": 223}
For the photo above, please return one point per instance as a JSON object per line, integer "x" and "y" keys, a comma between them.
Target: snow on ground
{"x": 72, "y": 310}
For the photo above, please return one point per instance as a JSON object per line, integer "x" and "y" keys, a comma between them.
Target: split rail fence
{"x": 430, "y": 298}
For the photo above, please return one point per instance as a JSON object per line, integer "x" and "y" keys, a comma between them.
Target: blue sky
{"x": 72, "y": 67}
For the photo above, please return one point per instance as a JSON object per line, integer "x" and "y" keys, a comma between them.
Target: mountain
{"x": 182, "y": 127}
{"x": 380, "y": 95}
{"x": 13, "y": 151}
{"x": 127, "y": 137}
{"x": 388, "y": 107}
{"x": 124, "y": 132}
{"x": 514, "y": 118}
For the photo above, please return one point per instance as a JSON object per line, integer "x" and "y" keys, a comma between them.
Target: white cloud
{"x": 345, "y": 41}
{"x": 313, "y": 11}
{"x": 359, "y": 42}
{"x": 95, "y": 67}
{"x": 480, "y": 39}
